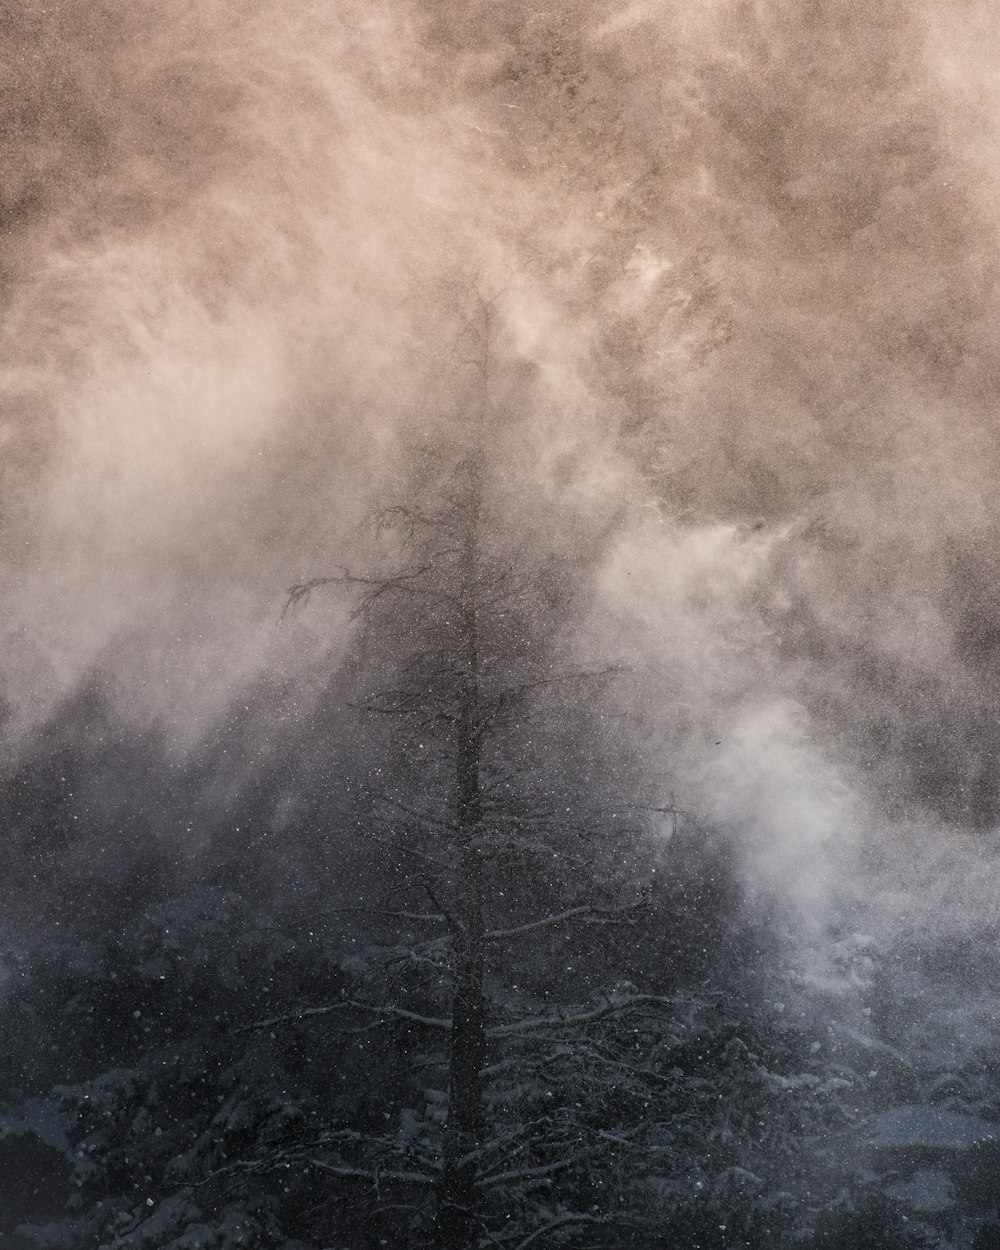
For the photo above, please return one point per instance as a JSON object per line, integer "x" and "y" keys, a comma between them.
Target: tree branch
{"x": 534, "y": 1024}
{"x": 360, "y": 1174}
{"x": 589, "y": 915}
{"x": 527, "y": 1174}
{"x": 351, "y": 1004}
{"x": 560, "y": 1221}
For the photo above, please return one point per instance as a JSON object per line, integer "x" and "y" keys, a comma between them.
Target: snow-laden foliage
{"x": 291, "y": 1116}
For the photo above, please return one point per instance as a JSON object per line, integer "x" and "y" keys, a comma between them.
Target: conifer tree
{"x": 496, "y": 830}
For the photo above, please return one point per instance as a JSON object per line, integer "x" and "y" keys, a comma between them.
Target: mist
{"x": 740, "y": 258}
{"x": 744, "y": 273}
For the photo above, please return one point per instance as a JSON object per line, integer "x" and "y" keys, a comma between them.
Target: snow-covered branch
{"x": 513, "y": 1175}
{"x": 586, "y": 914}
{"x": 351, "y": 1004}
{"x": 535, "y": 1024}
{"x": 375, "y": 1177}
{"x": 561, "y": 1221}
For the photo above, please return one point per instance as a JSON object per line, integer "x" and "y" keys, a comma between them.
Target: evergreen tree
{"x": 523, "y": 1042}
{"x": 491, "y": 824}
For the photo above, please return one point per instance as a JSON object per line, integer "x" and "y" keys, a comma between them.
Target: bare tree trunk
{"x": 467, "y": 1055}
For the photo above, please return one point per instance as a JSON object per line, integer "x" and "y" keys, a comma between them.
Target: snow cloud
{"x": 742, "y": 256}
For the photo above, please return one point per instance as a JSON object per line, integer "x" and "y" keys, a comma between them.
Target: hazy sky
{"x": 744, "y": 255}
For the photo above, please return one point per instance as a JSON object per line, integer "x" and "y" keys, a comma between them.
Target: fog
{"x": 741, "y": 258}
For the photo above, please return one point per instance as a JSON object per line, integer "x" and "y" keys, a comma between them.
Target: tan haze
{"x": 743, "y": 255}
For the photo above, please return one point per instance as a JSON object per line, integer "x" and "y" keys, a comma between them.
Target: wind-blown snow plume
{"x": 740, "y": 257}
